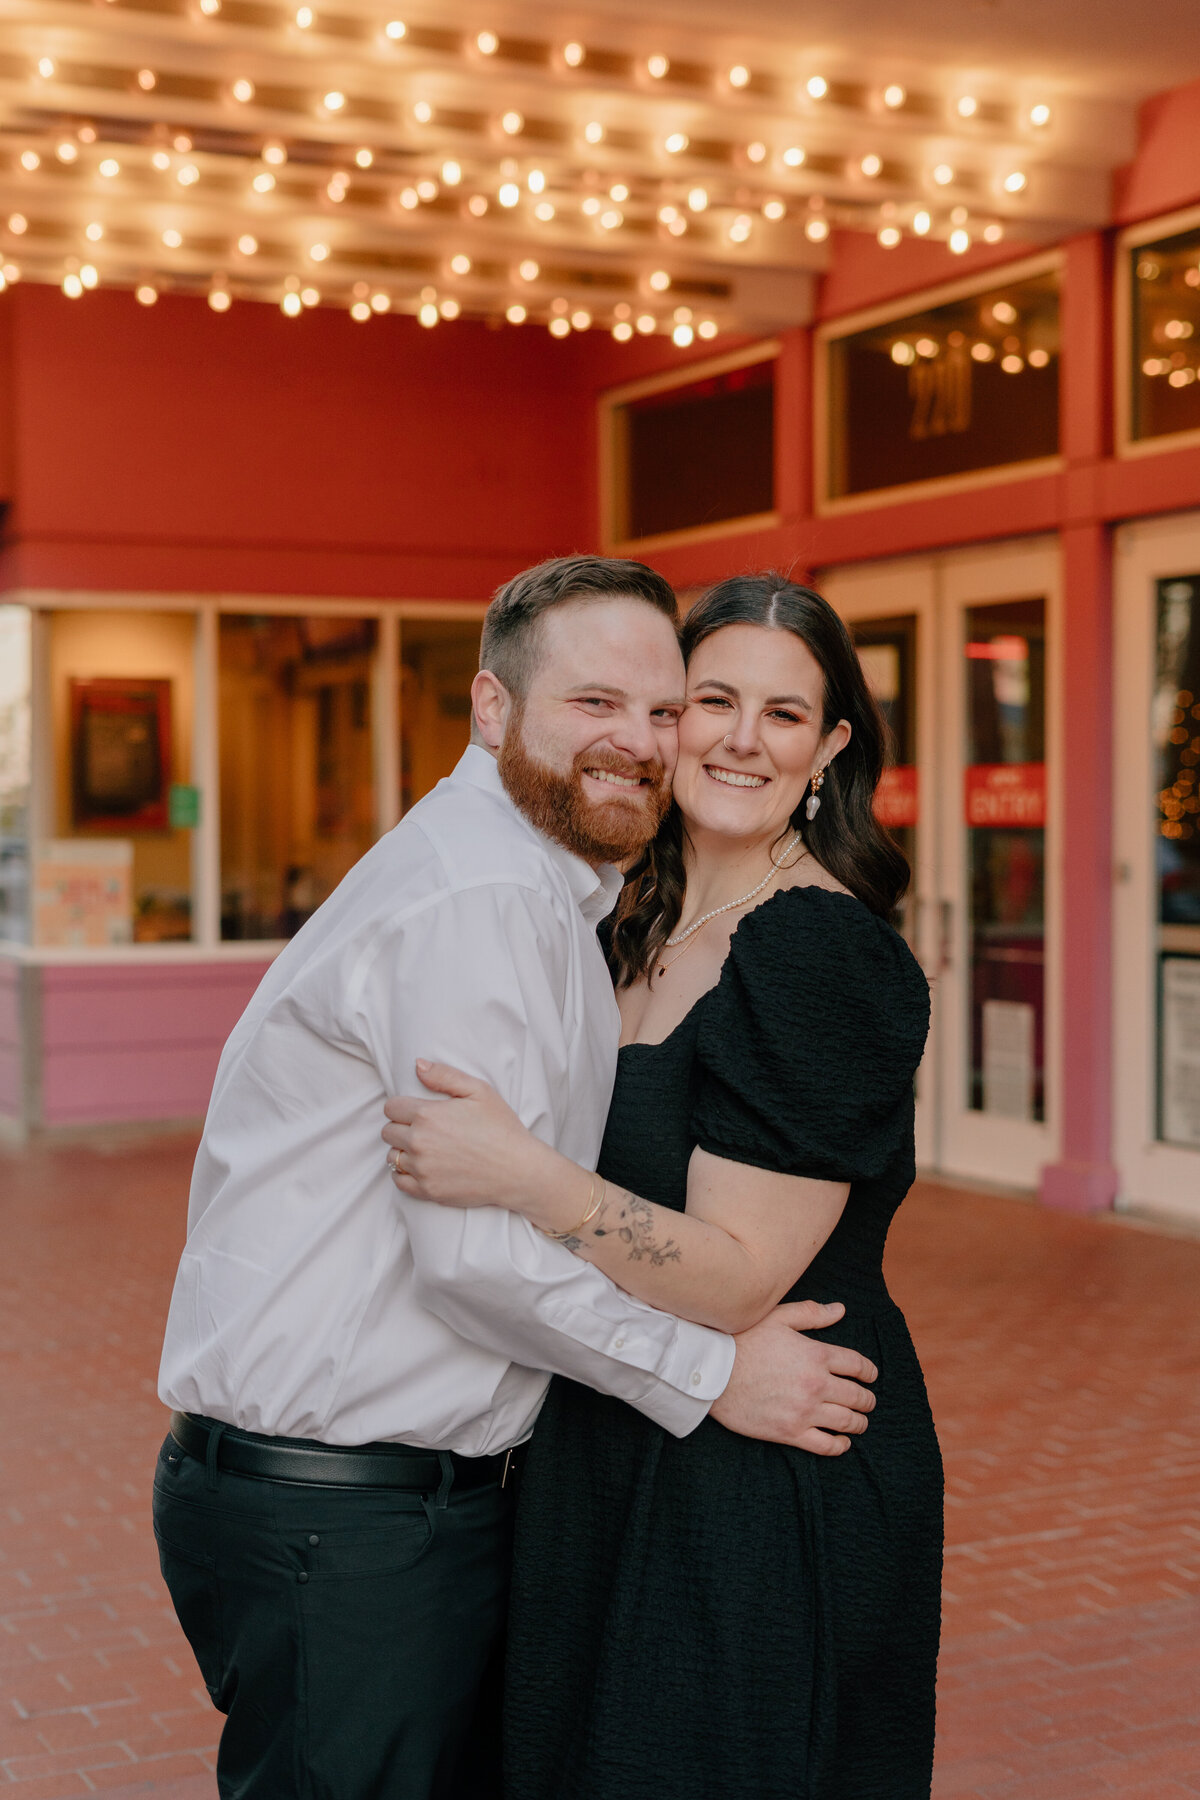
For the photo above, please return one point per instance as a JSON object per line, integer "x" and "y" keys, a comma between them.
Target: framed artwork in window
{"x": 120, "y": 754}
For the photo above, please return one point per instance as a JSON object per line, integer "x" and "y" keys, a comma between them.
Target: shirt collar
{"x": 595, "y": 891}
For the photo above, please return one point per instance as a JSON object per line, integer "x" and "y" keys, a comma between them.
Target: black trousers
{"x": 352, "y": 1636}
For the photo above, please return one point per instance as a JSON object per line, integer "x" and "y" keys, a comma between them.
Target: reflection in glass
{"x": 1175, "y": 723}
{"x": 887, "y": 651}
{"x": 438, "y": 662}
{"x": 15, "y": 737}
{"x": 971, "y": 384}
{"x": 1165, "y": 285}
{"x": 297, "y": 787}
{"x": 697, "y": 454}
{"x": 1005, "y": 815}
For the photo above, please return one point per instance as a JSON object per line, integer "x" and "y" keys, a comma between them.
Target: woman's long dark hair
{"x": 845, "y": 836}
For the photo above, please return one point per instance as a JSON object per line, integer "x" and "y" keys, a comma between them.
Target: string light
{"x": 89, "y": 275}
{"x": 219, "y": 299}
{"x": 427, "y": 190}
{"x": 487, "y": 43}
{"x": 310, "y": 296}
{"x": 922, "y": 223}
{"x": 172, "y": 239}
{"x": 460, "y": 265}
{"x": 364, "y": 157}
{"x": 263, "y": 183}
{"x": 188, "y": 175}
{"x": 422, "y": 112}
{"x": 145, "y": 295}
{"x": 147, "y": 80}
{"x": 449, "y": 309}
{"x": 993, "y": 233}
{"x": 247, "y": 245}
{"x": 682, "y": 336}
{"x": 30, "y": 160}
{"x": 622, "y": 331}
{"x": 291, "y": 305}
{"x": 593, "y": 132}
{"x": 660, "y": 281}
{"x": 817, "y": 230}
{"x": 871, "y": 166}
{"x": 94, "y": 232}
{"x": 535, "y": 181}
{"x": 45, "y": 68}
{"x": 618, "y": 192}
{"x": 959, "y": 241}
{"x": 658, "y": 66}
{"x": 943, "y": 174}
{"x": 676, "y": 143}
{"x": 210, "y": 8}
{"x": 698, "y": 199}
{"x": 274, "y": 153}
{"x": 889, "y": 236}
{"x": 509, "y": 193}
{"x": 581, "y": 319}
{"x": 18, "y": 224}
{"x": 72, "y": 287}
{"x": 591, "y": 205}
{"x": 739, "y": 76}
{"x": 360, "y": 312}
{"x": 1039, "y": 115}
{"x": 560, "y": 328}
{"x": 707, "y": 328}
{"x": 1015, "y": 182}
{"x": 794, "y": 156}
{"x": 646, "y": 323}
{"x": 816, "y": 87}
{"x": 967, "y": 107}
{"x": 573, "y": 55}
{"x": 334, "y": 100}
{"x": 611, "y": 218}
{"x": 306, "y": 18}
{"x": 756, "y": 153}
{"x": 395, "y": 29}
{"x": 451, "y": 173}
{"x": 543, "y": 212}
{"x": 66, "y": 152}
{"x": 894, "y": 95}
{"x": 244, "y": 91}
{"x": 740, "y": 230}
{"x": 515, "y": 314}
{"x": 110, "y": 167}
{"x": 318, "y": 252}
{"x": 528, "y": 270}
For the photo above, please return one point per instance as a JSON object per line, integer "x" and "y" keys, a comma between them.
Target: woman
{"x": 714, "y": 1618}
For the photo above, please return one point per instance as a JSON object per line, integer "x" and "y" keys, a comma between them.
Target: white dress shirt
{"x": 313, "y": 1299}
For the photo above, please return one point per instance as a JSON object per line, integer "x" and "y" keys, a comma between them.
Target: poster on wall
{"x": 1008, "y": 1068}
{"x": 82, "y": 893}
{"x": 120, "y": 754}
{"x": 1181, "y": 1050}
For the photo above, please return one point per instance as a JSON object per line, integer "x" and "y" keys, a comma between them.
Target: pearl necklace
{"x": 681, "y": 937}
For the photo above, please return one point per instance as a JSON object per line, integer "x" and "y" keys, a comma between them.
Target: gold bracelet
{"x": 594, "y": 1204}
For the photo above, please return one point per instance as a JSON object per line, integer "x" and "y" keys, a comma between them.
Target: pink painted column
{"x": 1084, "y": 1179}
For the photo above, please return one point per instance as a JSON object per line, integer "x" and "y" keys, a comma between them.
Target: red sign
{"x": 1005, "y": 794}
{"x": 896, "y": 797}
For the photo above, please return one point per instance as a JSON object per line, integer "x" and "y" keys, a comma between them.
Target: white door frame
{"x": 889, "y": 590}
{"x": 1165, "y": 1177}
{"x": 938, "y": 589}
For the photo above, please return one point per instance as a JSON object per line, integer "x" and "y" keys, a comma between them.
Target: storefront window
{"x": 15, "y": 743}
{"x": 1005, "y": 818}
{"x": 297, "y": 780}
{"x": 968, "y": 385}
{"x": 117, "y": 866}
{"x": 438, "y": 662}
{"x": 700, "y": 453}
{"x": 1165, "y": 385}
{"x": 1176, "y": 727}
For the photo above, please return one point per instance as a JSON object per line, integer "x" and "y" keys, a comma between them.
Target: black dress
{"x": 710, "y": 1617}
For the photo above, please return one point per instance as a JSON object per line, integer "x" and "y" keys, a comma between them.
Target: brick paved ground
{"x": 1063, "y": 1358}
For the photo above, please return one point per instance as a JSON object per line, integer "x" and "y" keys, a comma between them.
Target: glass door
{"x": 957, "y": 649}
{"x": 1157, "y": 829}
{"x": 889, "y": 609}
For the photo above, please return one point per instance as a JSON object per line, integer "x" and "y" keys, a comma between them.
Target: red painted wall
{"x": 173, "y": 448}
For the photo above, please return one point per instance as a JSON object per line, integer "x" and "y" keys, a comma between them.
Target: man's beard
{"x": 597, "y": 830}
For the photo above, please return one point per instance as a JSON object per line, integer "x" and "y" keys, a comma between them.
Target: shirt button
{"x": 303, "y": 1575}
{"x": 696, "y": 1379}
{"x": 618, "y": 1343}
{"x": 313, "y": 1538}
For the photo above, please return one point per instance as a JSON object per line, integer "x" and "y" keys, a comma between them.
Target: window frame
{"x": 828, "y": 505}
{"x": 1135, "y": 237}
{"x": 613, "y": 454}
{"x": 206, "y": 610}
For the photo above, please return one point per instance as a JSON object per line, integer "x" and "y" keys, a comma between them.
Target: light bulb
{"x": 334, "y": 100}
{"x": 247, "y": 244}
{"x": 360, "y": 312}
{"x": 515, "y": 314}
{"x": 274, "y": 153}
{"x": 889, "y": 237}
{"x": 89, "y": 275}
{"x": 306, "y": 18}
{"x": 66, "y": 152}
{"x": 72, "y": 287}
{"x": 660, "y": 281}
{"x": 581, "y": 319}
{"x": 817, "y": 230}
{"x": 682, "y": 336}
{"x": 1015, "y": 182}
{"x": 512, "y": 123}
{"x": 922, "y": 222}
{"x": 1038, "y": 358}
{"x": 622, "y": 331}
{"x": 894, "y": 95}
{"x": 94, "y": 232}
{"x": 871, "y": 165}
{"x": 698, "y": 199}
{"x": 188, "y": 175}
{"x": 318, "y": 252}
{"x": 793, "y": 156}
{"x": 292, "y": 305}
{"x": 45, "y": 68}
{"x": 310, "y": 296}
{"x": 145, "y": 295}
{"x": 243, "y": 91}
{"x": 774, "y": 209}
{"x": 543, "y": 211}
{"x": 364, "y": 157}
{"x": 756, "y": 153}
{"x": 816, "y": 87}
{"x": 657, "y": 66}
{"x": 219, "y": 300}
{"x": 460, "y": 264}
{"x": 593, "y": 132}
{"x": 17, "y": 224}
{"x": 30, "y": 160}
{"x": 395, "y": 29}
{"x": 560, "y": 328}
{"x": 451, "y": 173}
{"x": 1039, "y": 115}
{"x": 427, "y": 190}
{"x": 449, "y": 309}
{"x": 477, "y": 205}
{"x": 509, "y": 193}
{"x": 210, "y": 8}
{"x": 667, "y": 213}
{"x": 676, "y": 143}
{"x": 573, "y": 55}
{"x": 943, "y": 174}
{"x": 110, "y": 167}
{"x": 611, "y": 218}
{"x": 968, "y": 106}
{"x": 959, "y": 241}
{"x": 147, "y": 80}
{"x": 618, "y": 192}
{"x": 739, "y": 76}
{"x": 707, "y": 328}
{"x": 487, "y": 43}
{"x": 993, "y": 233}
{"x": 528, "y": 270}
{"x": 739, "y": 231}
{"x": 646, "y": 323}
{"x": 422, "y": 112}
{"x": 172, "y": 239}
{"x": 1012, "y": 365}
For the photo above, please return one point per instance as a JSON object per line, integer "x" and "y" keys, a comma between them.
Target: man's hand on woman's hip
{"x": 789, "y": 1389}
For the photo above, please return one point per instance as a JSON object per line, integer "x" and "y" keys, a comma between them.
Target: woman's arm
{"x": 746, "y": 1237}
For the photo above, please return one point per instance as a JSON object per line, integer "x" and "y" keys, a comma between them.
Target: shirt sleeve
{"x": 478, "y": 979}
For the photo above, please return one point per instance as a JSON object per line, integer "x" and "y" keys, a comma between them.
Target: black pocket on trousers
{"x": 192, "y": 1584}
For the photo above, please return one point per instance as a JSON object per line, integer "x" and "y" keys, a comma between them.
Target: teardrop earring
{"x": 812, "y": 805}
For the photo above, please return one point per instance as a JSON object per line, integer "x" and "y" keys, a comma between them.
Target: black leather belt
{"x": 336, "y": 1465}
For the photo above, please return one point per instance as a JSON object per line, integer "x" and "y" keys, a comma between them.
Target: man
{"x": 351, "y": 1373}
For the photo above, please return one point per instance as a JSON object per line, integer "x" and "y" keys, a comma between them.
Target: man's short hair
{"x": 511, "y": 629}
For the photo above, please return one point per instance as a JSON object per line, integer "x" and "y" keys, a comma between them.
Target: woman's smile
{"x": 732, "y": 777}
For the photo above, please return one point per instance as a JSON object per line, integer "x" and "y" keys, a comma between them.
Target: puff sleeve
{"x": 809, "y": 1044}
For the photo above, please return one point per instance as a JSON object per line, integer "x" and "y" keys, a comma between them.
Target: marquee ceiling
{"x": 571, "y": 169}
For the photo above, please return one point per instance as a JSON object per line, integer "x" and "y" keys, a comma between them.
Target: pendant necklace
{"x": 687, "y": 938}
